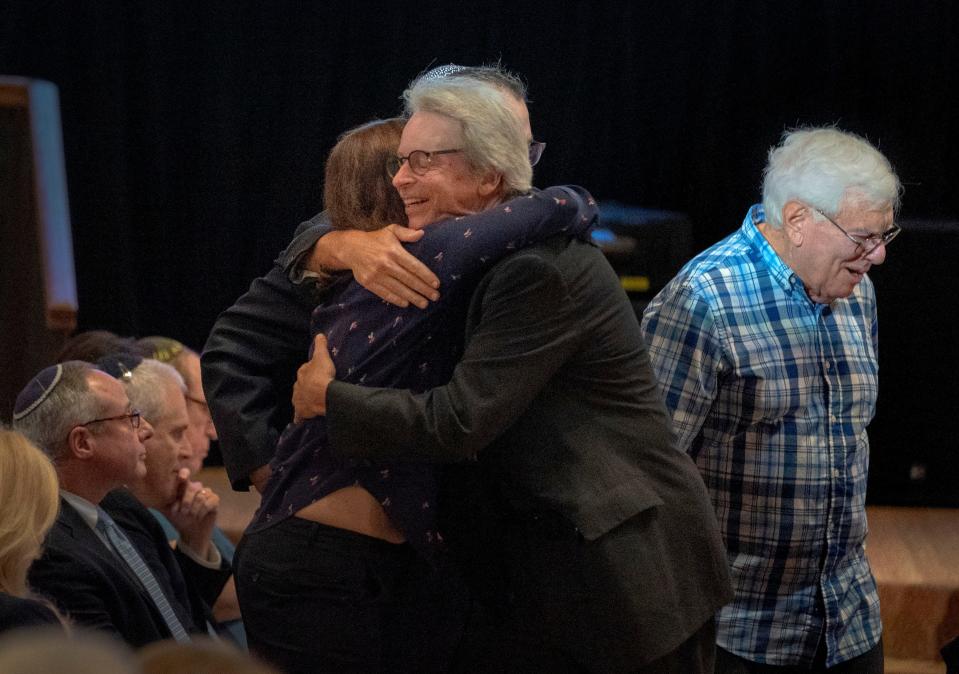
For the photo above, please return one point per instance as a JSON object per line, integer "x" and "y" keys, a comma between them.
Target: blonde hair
{"x": 200, "y": 656}
{"x": 29, "y": 501}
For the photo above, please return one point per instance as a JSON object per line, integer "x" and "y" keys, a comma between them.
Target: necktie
{"x": 128, "y": 553}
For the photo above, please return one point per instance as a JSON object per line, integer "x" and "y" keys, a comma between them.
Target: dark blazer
{"x": 251, "y": 356}
{"x": 16, "y": 612}
{"x": 92, "y": 586}
{"x": 193, "y": 584}
{"x": 612, "y": 546}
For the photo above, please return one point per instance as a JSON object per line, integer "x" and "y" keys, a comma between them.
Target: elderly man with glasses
{"x": 765, "y": 347}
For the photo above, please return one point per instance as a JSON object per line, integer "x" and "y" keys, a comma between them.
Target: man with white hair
{"x": 157, "y": 390}
{"x": 609, "y": 552}
{"x": 765, "y": 349}
{"x": 255, "y": 347}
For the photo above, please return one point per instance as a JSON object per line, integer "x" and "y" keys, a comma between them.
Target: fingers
{"x": 205, "y": 502}
{"x": 197, "y": 501}
{"x": 393, "y": 274}
{"x": 419, "y": 270}
{"x": 183, "y": 482}
{"x": 405, "y": 234}
{"x": 403, "y": 293}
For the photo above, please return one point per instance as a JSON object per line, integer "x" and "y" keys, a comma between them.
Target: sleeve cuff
{"x": 214, "y": 560}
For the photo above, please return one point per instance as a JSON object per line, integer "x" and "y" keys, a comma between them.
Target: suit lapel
{"x": 76, "y": 527}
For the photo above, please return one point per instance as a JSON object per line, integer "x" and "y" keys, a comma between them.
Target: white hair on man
{"x": 145, "y": 386}
{"x": 493, "y": 138}
{"x": 827, "y": 168}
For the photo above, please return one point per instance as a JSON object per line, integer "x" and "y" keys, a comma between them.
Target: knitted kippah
{"x": 120, "y": 365}
{"x": 163, "y": 349}
{"x": 37, "y": 390}
{"x": 440, "y": 72}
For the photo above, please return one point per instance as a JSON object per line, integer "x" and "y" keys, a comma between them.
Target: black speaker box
{"x": 645, "y": 246}
{"x": 913, "y": 437}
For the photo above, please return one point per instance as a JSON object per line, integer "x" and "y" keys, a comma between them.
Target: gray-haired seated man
{"x": 106, "y": 562}
{"x": 184, "y": 507}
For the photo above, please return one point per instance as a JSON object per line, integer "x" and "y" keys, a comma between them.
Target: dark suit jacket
{"x": 92, "y": 586}
{"x": 556, "y": 389}
{"x": 16, "y": 612}
{"x": 196, "y": 586}
{"x": 251, "y": 357}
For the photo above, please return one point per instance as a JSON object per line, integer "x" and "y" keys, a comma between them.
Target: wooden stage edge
{"x": 914, "y": 553}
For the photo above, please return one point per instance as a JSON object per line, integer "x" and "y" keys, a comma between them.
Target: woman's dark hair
{"x": 358, "y": 192}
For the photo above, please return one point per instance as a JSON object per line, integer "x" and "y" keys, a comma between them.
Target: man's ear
{"x": 81, "y": 443}
{"x": 797, "y": 217}
{"x": 490, "y": 183}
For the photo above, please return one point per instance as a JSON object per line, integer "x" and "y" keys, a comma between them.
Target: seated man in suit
{"x": 200, "y": 433}
{"x": 184, "y": 507}
{"x": 111, "y": 571}
{"x": 157, "y": 391}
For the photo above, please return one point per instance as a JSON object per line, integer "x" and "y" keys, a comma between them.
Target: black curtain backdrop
{"x": 195, "y": 133}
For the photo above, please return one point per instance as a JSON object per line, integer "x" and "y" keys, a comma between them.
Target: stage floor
{"x": 914, "y": 554}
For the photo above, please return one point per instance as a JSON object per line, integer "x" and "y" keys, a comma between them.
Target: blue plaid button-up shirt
{"x": 770, "y": 393}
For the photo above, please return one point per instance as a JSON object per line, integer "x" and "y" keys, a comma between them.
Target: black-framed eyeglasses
{"x": 536, "y": 148}
{"x": 867, "y": 244}
{"x": 420, "y": 161}
{"x": 132, "y": 415}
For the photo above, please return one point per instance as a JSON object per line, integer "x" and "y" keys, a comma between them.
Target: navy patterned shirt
{"x": 374, "y": 343}
{"x": 770, "y": 393}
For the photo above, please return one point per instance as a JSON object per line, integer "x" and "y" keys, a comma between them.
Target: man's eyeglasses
{"x": 535, "y": 151}
{"x": 132, "y": 415}
{"x": 867, "y": 244}
{"x": 420, "y": 161}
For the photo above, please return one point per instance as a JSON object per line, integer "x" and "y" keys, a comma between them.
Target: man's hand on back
{"x": 312, "y": 380}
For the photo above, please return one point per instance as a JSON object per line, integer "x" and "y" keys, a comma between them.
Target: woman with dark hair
{"x": 29, "y": 500}
{"x": 342, "y": 568}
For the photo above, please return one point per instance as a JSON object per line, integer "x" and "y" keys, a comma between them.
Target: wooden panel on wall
{"x": 38, "y": 297}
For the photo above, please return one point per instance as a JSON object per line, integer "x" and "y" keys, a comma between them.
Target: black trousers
{"x": 320, "y": 599}
{"x": 567, "y": 609}
{"x": 870, "y": 662}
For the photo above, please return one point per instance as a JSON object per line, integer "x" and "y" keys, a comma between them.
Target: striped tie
{"x": 125, "y": 549}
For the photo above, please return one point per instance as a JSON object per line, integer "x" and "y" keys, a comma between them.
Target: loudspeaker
{"x": 913, "y": 437}
{"x": 645, "y": 246}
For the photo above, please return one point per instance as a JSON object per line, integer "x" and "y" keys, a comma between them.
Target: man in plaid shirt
{"x": 765, "y": 346}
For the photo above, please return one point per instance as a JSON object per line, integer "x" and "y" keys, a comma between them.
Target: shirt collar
{"x": 778, "y": 269}
{"x": 86, "y": 510}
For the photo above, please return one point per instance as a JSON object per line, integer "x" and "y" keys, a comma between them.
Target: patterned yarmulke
{"x": 120, "y": 365}
{"x": 37, "y": 390}
{"x": 163, "y": 349}
{"x": 440, "y": 72}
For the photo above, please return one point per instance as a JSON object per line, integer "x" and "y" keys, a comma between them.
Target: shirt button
{"x": 835, "y": 473}
{"x": 827, "y": 365}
